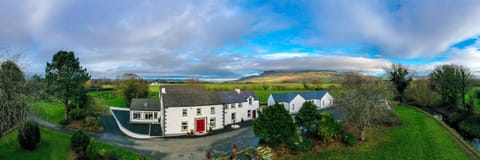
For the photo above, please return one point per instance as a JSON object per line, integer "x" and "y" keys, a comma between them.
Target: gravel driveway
{"x": 179, "y": 148}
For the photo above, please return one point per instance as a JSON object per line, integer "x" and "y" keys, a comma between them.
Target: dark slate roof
{"x": 187, "y": 95}
{"x": 287, "y": 97}
{"x": 231, "y": 97}
{"x": 145, "y": 104}
{"x": 247, "y": 94}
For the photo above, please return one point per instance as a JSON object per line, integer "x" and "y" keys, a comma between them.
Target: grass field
{"x": 49, "y": 111}
{"x": 53, "y": 145}
{"x": 420, "y": 137}
{"x": 270, "y": 86}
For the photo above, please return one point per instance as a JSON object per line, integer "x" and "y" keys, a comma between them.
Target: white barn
{"x": 294, "y": 101}
{"x": 181, "y": 110}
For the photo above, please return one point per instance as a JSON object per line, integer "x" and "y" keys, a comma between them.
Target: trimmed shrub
{"x": 92, "y": 148}
{"x": 29, "y": 135}
{"x": 77, "y": 114}
{"x": 92, "y": 123}
{"x": 327, "y": 127}
{"x": 64, "y": 122}
{"x": 349, "y": 139}
{"x": 300, "y": 144}
{"x": 79, "y": 142}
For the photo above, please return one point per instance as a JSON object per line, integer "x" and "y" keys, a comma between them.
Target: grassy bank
{"x": 420, "y": 137}
{"x": 53, "y": 145}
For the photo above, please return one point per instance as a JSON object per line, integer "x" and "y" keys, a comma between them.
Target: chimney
{"x": 237, "y": 90}
{"x": 164, "y": 91}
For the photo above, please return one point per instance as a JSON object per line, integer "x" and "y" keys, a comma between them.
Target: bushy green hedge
{"x": 349, "y": 139}
{"x": 92, "y": 148}
{"x": 29, "y": 135}
{"x": 64, "y": 122}
{"x": 471, "y": 126}
{"x": 327, "y": 127}
{"x": 300, "y": 143}
{"x": 79, "y": 142}
{"x": 77, "y": 114}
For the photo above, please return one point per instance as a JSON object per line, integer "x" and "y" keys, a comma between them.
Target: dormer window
{"x": 250, "y": 100}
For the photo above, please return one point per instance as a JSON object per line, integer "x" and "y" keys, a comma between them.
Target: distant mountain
{"x": 294, "y": 76}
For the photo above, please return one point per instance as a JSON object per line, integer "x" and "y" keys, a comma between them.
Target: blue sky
{"x": 230, "y": 39}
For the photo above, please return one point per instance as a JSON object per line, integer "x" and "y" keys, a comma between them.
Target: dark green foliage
{"x": 13, "y": 95}
{"x": 327, "y": 127}
{"x": 79, "y": 142}
{"x": 274, "y": 125}
{"x": 29, "y": 135}
{"x": 349, "y": 139}
{"x": 64, "y": 122}
{"x": 77, "y": 114}
{"x": 452, "y": 82}
{"x": 307, "y": 117}
{"x": 92, "y": 150}
{"x": 131, "y": 86}
{"x": 300, "y": 143}
{"x": 399, "y": 76}
{"x": 66, "y": 79}
{"x": 471, "y": 126}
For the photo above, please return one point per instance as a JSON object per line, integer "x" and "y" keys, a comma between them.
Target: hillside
{"x": 308, "y": 76}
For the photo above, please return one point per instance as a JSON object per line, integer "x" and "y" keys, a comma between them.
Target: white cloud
{"x": 403, "y": 29}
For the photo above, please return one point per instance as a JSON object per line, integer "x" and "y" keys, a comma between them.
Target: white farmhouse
{"x": 294, "y": 101}
{"x": 182, "y": 110}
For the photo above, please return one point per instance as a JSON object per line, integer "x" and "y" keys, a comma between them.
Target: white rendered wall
{"x": 174, "y": 118}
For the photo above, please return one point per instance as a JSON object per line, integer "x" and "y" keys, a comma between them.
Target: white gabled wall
{"x": 174, "y": 118}
{"x": 295, "y": 104}
{"x": 270, "y": 101}
{"x": 327, "y": 100}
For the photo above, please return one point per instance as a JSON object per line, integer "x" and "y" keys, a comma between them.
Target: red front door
{"x": 200, "y": 125}
{"x": 254, "y": 114}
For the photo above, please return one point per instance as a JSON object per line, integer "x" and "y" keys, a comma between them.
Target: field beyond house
{"x": 420, "y": 137}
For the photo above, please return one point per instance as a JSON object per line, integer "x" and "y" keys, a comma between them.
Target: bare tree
{"x": 360, "y": 98}
{"x": 420, "y": 91}
{"x": 12, "y": 95}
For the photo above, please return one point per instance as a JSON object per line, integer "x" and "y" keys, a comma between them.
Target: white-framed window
{"x": 225, "y": 106}
{"x": 136, "y": 115}
{"x": 233, "y": 105}
{"x": 233, "y": 117}
{"x": 154, "y": 115}
{"x": 199, "y": 111}
{"x": 148, "y": 115}
{"x": 212, "y": 110}
{"x": 184, "y": 126}
{"x": 213, "y": 123}
{"x": 250, "y": 100}
{"x": 184, "y": 112}
{"x": 239, "y": 105}
{"x": 249, "y": 113}
{"x": 293, "y": 107}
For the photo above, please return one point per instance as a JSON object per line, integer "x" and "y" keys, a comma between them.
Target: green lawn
{"x": 420, "y": 137}
{"x": 108, "y": 98}
{"x": 53, "y": 145}
{"x": 49, "y": 111}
